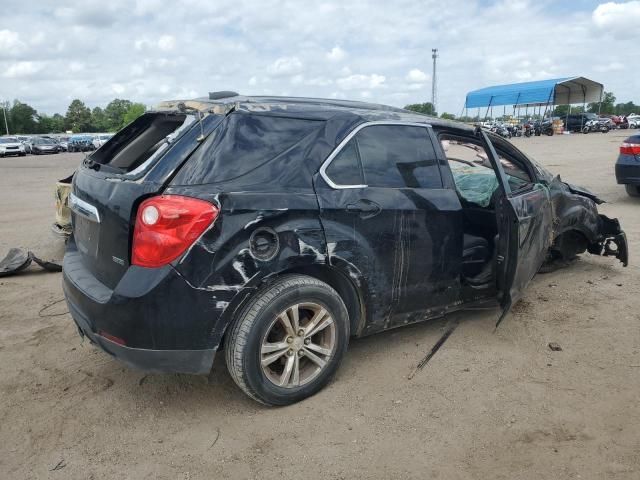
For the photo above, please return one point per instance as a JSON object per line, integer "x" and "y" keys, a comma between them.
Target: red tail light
{"x": 166, "y": 226}
{"x": 630, "y": 148}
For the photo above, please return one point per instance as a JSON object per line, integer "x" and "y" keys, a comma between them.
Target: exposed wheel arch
{"x": 349, "y": 293}
{"x": 565, "y": 248}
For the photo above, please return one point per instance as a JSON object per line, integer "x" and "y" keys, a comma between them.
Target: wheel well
{"x": 569, "y": 244}
{"x": 332, "y": 277}
{"x": 341, "y": 284}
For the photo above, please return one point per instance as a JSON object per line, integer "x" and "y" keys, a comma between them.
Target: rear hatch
{"x": 110, "y": 184}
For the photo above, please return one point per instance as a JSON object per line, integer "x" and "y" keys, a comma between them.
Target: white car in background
{"x": 634, "y": 121}
{"x": 100, "y": 140}
{"x": 11, "y": 146}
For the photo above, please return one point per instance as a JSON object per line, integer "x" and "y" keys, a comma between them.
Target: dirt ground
{"x": 488, "y": 406}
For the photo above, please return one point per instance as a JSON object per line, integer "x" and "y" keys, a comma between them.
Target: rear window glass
{"x": 241, "y": 144}
{"x": 142, "y": 140}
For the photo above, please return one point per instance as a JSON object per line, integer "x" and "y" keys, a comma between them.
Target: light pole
{"x": 4, "y": 111}
{"x": 434, "y": 91}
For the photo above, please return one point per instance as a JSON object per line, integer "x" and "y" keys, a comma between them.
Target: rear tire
{"x": 632, "y": 190}
{"x": 263, "y": 349}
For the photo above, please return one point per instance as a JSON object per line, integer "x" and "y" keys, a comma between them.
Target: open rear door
{"x": 524, "y": 226}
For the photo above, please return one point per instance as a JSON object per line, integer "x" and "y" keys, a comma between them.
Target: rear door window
{"x": 345, "y": 168}
{"x": 398, "y": 156}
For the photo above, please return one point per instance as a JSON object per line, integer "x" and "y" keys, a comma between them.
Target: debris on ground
{"x": 555, "y": 347}
{"x": 59, "y": 466}
{"x": 18, "y": 260}
{"x": 447, "y": 333}
{"x": 15, "y": 261}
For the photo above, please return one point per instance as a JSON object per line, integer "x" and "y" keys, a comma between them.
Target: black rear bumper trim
{"x": 154, "y": 361}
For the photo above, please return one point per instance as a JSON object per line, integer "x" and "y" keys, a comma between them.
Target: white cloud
{"x": 359, "y": 81}
{"x": 416, "y": 76}
{"x": 285, "y": 66}
{"x": 336, "y": 54}
{"x": 9, "y": 40}
{"x": 227, "y": 46}
{"x": 22, "y": 69}
{"x": 618, "y": 16}
{"x": 166, "y": 43}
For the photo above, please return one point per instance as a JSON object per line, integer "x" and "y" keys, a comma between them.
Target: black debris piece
{"x": 555, "y": 347}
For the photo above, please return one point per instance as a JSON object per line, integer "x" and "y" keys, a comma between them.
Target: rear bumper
{"x": 152, "y": 320}
{"x": 158, "y": 361}
{"x": 628, "y": 170}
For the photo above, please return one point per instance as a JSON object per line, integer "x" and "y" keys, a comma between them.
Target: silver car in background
{"x": 11, "y": 146}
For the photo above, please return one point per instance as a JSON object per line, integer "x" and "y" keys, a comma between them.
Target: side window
{"x": 397, "y": 156}
{"x": 475, "y": 179}
{"x": 345, "y": 168}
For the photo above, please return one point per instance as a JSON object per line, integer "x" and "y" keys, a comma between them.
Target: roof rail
{"x": 222, "y": 94}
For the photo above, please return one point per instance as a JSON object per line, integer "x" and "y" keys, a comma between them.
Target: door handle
{"x": 366, "y": 208}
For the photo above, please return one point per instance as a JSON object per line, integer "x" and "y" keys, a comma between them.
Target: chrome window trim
{"x": 352, "y": 133}
{"x": 79, "y": 206}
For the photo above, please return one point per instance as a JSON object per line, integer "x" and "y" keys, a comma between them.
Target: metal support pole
{"x": 4, "y": 111}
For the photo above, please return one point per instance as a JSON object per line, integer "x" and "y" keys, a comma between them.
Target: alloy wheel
{"x": 298, "y": 345}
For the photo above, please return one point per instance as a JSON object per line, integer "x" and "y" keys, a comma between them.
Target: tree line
{"x": 608, "y": 106}
{"x": 22, "y": 118}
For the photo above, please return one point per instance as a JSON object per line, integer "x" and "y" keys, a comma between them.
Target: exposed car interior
{"x": 478, "y": 190}
{"x": 139, "y": 141}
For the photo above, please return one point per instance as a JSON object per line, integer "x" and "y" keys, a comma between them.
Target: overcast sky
{"x": 151, "y": 50}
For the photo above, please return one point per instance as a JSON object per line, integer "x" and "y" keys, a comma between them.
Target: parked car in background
{"x": 11, "y": 146}
{"x": 634, "y": 121}
{"x": 64, "y": 143}
{"x": 616, "y": 120}
{"x": 277, "y": 228}
{"x": 25, "y": 142}
{"x": 80, "y": 143}
{"x": 628, "y": 165}
{"x": 576, "y": 122}
{"x": 43, "y": 145}
{"x": 100, "y": 140}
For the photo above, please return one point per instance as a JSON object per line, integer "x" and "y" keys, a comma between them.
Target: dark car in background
{"x": 576, "y": 122}
{"x": 80, "y": 143}
{"x": 277, "y": 228}
{"x": 628, "y": 165}
{"x": 43, "y": 145}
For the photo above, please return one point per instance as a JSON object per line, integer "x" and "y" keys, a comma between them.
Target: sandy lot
{"x": 488, "y": 406}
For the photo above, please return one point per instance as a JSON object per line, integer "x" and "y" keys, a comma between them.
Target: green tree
{"x": 426, "y": 108}
{"x": 99, "y": 121}
{"x": 562, "y": 110}
{"x": 78, "y": 118}
{"x": 53, "y": 124}
{"x": 115, "y": 113}
{"x": 134, "y": 111}
{"x": 626, "y": 108}
{"x": 448, "y": 116}
{"x": 24, "y": 118}
{"x": 607, "y": 105}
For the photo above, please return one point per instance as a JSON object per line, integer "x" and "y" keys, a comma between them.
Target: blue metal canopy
{"x": 557, "y": 91}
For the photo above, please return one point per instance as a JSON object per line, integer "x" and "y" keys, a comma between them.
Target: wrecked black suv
{"x": 274, "y": 229}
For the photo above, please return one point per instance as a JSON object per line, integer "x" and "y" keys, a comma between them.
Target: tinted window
{"x": 242, "y": 143}
{"x": 397, "y": 156}
{"x": 345, "y": 167}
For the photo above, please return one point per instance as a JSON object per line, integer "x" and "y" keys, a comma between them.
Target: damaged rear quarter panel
{"x": 223, "y": 262}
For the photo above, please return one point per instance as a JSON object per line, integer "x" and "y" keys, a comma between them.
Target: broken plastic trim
{"x": 18, "y": 260}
